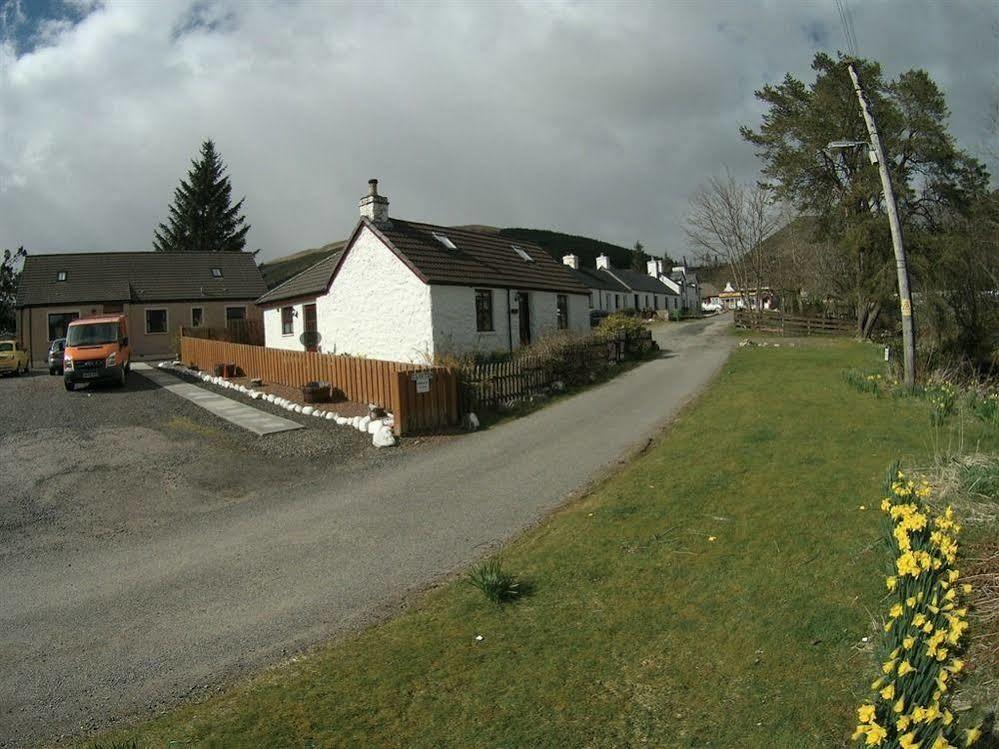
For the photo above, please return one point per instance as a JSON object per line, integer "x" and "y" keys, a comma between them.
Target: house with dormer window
{"x": 411, "y": 291}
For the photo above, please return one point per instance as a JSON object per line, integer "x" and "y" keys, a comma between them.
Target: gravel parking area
{"x": 94, "y": 464}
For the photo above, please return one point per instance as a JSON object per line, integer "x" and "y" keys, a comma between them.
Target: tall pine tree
{"x": 201, "y": 217}
{"x": 639, "y": 258}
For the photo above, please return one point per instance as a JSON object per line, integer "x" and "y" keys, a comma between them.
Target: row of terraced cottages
{"x": 397, "y": 290}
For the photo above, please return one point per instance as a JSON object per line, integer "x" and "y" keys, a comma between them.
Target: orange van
{"x": 97, "y": 350}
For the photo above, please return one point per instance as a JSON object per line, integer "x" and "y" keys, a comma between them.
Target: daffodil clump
{"x": 924, "y": 631}
{"x": 942, "y": 397}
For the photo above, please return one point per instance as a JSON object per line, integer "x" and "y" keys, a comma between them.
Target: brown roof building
{"x": 158, "y": 292}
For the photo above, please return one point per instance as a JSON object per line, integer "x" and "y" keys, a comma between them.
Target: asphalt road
{"x": 91, "y": 633}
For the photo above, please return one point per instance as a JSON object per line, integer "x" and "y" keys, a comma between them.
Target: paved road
{"x": 97, "y": 632}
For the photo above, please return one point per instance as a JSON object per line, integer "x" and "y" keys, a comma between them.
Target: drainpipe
{"x": 509, "y": 321}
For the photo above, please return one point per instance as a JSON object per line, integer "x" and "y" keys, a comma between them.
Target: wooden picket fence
{"x": 793, "y": 325}
{"x": 421, "y": 399}
{"x": 488, "y": 385}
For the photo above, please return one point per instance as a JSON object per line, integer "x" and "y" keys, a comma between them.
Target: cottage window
{"x": 591, "y": 300}
{"x": 484, "y": 310}
{"x": 234, "y": 313}
{"x": 562, "y": 304}
{"x": 58, "y": 322}
{"x": 655, "y": 301}
{"x": 197, "y": 317}
{"x": 617, "y": 301}
{"x": 287, "y": 321}
{"x": 156, "y": 321}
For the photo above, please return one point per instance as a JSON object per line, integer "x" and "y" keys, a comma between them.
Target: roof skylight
{"x": 61, "y": 275}
{"x": 524, "y": 256}
{"x": 216, "y": 273}
{"x": 444, "y": 240}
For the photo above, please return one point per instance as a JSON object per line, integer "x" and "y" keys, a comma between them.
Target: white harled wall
{"x": 274, "y": 338}
{"x": 376, "y": 306}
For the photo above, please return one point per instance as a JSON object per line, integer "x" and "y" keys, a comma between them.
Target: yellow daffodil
{"x": 908, "y": 741}
{"x": 904, "y": 668}
{"x": 865, "y": 713}
{"x": 899, "y": 706}
{"x": 971, "y": 735}
{"x": 888, "y": 692}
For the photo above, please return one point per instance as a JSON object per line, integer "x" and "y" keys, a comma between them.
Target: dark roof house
{"x": 80, "y": 277}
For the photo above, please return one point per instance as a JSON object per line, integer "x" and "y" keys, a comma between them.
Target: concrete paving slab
{"x": 250, "y": 418}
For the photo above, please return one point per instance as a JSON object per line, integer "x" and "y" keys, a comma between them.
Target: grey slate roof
{"x": 311, "y": 282}
{"x": 598, "y": 279}
{"x": 137, "y": 277}
{"x": 636, "y": 281}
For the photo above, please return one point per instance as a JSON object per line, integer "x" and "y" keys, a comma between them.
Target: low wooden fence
{"x": 793, "y": 325}
{"x": 486, "y": 386}
{"x": 421, "y": 399}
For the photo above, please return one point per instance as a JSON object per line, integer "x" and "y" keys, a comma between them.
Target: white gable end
{"x": 376, "y": 306}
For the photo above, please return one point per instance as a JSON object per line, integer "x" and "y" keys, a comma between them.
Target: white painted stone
{"x": 330, "y": 416}
{"x": 296, "y": 408}
{"x": 362, "y": 423}
{"x": 383, "y": 437}
{"x": 342, "y": 420}
{"x": 472, "y": 422}
{"x": 374, "y": 425}
{"x": 307, "y": 410}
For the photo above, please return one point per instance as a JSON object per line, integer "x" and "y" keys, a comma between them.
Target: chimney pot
{"x": 374, "y": 207}
{"x": 603, "y": 262}
{"x": 571, "y": 260}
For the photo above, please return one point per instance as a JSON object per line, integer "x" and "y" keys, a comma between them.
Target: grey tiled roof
{"x": 137, "y": 277}
{"x": 311, "y": 282}
{"x": 636, "y": 281}
{"x": 598, "y": 279}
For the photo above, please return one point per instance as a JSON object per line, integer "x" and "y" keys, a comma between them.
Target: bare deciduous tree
{"x": 729, "y": 222}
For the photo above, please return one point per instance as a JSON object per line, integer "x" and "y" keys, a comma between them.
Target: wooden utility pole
{"x": 902, "y": 268}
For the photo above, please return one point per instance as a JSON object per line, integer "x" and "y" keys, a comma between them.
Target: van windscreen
{"x": 92, "y": 335}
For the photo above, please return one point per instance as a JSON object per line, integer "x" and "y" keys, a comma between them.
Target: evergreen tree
{"x": 639, "y": 258}
{"x": 9, "y": 277}
{"x": 201, "y": 217}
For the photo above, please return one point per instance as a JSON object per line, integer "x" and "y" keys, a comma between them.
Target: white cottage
{"x": 613, "y": 289}
{"x": 412, "y": 292}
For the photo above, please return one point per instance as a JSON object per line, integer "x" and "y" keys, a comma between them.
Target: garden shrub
{"x": 617, "y": 324}
{"x": 924, "y": 632}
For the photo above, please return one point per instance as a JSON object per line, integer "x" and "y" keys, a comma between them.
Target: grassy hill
{"x": 556, "y": 243}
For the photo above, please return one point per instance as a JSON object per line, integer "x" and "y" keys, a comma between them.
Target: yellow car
{"x": 13, "y": 358}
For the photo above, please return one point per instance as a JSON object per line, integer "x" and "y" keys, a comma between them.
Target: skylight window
{"x": 216, "y": 273}
{"x": 444, "y": 240}
{"x": 523, "y": 255}
{"x": 61, "y": 275}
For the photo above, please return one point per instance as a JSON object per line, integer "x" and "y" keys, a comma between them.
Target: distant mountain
{"x": 278, "y": 271}
{"x": 555, "y": 243}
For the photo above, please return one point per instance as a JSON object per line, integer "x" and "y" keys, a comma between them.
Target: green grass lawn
{"x": 639, "y": 629}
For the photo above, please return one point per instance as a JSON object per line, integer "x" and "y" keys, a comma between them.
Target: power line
{"x": 846, "y": 20}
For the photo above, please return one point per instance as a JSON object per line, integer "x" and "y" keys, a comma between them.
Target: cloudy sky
{"x": 593, "y": 118}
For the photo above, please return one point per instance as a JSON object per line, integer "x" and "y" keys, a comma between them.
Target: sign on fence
{"x": 422, "y": 380}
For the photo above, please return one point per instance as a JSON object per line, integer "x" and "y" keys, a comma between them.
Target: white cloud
{"x": 591, "y": 118}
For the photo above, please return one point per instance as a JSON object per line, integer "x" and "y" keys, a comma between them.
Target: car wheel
{"x": 52, "y": 370}
{"x": 121, "y": 378}
{"x": 69, "y": 385}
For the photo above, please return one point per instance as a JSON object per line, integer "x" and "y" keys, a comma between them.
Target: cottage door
{"x": 524, "y": 315}
{"x": 309, "y": 321}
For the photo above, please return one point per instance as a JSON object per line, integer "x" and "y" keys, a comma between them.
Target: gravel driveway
{"x": 104, "y": 462}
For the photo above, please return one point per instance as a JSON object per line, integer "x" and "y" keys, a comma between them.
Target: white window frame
{"x": 145, "y": 319}
{"x": 234, "y": 306}
{"x": 194, "y": 324}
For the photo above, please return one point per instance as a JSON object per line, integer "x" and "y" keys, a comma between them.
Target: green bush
{"x": 618, "y": 323}
{"x": 497, "y": 584}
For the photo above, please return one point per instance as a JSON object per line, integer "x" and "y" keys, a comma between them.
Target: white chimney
{"x": 655, "y": 267}
{"x": 374, "y": 207}
{"x": 571, "y": 260}
{"x": 603, "y": 262}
